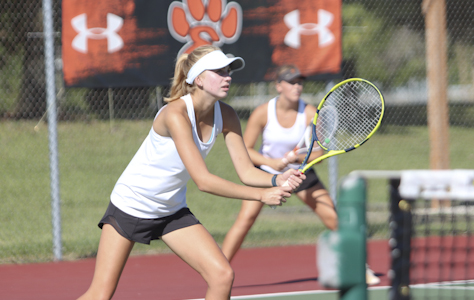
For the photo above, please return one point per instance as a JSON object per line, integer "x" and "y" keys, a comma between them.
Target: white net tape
{"x": 439, "y": 184}
{"x": 457, "y": 184}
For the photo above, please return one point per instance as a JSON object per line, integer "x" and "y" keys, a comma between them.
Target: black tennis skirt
{"x": 144, "y": 230}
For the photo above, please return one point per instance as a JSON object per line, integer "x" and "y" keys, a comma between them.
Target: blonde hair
{"x": 179, "y": 86}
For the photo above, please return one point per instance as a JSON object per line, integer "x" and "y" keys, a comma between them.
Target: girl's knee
{"x": 223, "y": 276}
{"x": 229, "y": 277}
{"x": 227, "y": 274}
{"x": 247, "y": 219}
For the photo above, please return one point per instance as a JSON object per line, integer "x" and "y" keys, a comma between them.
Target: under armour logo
{"x": 293, "y": 37}
{"x": 114, "y": 41}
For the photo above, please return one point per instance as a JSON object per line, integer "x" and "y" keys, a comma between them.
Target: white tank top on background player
{"x": 154, "y": 183}
{"x": 278, "y": 140}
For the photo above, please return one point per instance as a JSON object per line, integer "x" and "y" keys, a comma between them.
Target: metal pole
{"x": 52, "y": 126}
{"x": 159, "y": 98}
{"x": 332, "y": 163}
{"x": 110, "y": 95}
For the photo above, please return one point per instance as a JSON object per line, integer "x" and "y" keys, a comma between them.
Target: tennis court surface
{"x": 281, "y": 272}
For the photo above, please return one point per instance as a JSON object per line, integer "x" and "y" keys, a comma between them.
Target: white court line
{"x": 445, "y": 285}
{"x": 278, "y": 294}
{"x": 315, "y": 292}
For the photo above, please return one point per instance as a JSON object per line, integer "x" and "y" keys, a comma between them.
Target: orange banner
{"x": 135, "y": 43}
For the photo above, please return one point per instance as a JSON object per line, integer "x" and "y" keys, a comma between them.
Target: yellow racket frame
{"x": 330, "y": 153}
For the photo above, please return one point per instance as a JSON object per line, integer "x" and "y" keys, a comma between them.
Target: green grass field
{"x": 92, "y": 157}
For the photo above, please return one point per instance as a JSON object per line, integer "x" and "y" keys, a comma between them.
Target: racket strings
{"x": 349, "y": 114}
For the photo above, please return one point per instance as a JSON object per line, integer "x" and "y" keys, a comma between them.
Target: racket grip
{"x": 285, "y": 184}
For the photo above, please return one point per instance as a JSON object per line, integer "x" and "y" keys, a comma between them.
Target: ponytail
{"x": 179, "y": 86}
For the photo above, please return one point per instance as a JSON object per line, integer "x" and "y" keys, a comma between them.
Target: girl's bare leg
{"x": 318, "y": 199}
{"x": 196, "y": 246}
{"x": 249, "y": 212}
{"x": 112, "y": 255}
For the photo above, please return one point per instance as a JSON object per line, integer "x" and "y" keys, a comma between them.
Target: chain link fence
{"x": 99, "y": 130}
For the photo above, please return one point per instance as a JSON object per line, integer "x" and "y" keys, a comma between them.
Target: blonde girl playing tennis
{"x": 149, "y": 199}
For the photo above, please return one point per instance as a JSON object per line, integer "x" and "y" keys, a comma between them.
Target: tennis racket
{"x": 349, "y": 114}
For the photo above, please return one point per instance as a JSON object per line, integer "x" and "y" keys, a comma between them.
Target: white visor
{"x": 214, "y": 60}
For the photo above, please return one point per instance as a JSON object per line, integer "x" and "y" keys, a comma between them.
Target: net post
{"x": 351, "y": 207}
{"x": 341, "y": 254}
{"x": 401, "y": 229}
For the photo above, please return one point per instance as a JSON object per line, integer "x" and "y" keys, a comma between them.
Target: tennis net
{"x": 431, "y": 240}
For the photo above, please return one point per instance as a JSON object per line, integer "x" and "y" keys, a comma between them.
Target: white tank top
{"x": 154, "y": 183}
{"x": 278, "y": 140}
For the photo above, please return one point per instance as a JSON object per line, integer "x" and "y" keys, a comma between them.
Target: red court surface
{"x": 165, "y": 276}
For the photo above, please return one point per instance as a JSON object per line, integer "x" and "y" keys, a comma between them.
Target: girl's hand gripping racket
{"x": 349, "y": 114}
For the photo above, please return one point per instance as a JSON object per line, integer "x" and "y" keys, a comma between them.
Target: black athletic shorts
{"x": 311, "y": 180}
{"x": 144, "y": 230}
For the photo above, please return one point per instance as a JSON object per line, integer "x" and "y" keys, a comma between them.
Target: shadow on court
{"x": 280, "y": 283}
